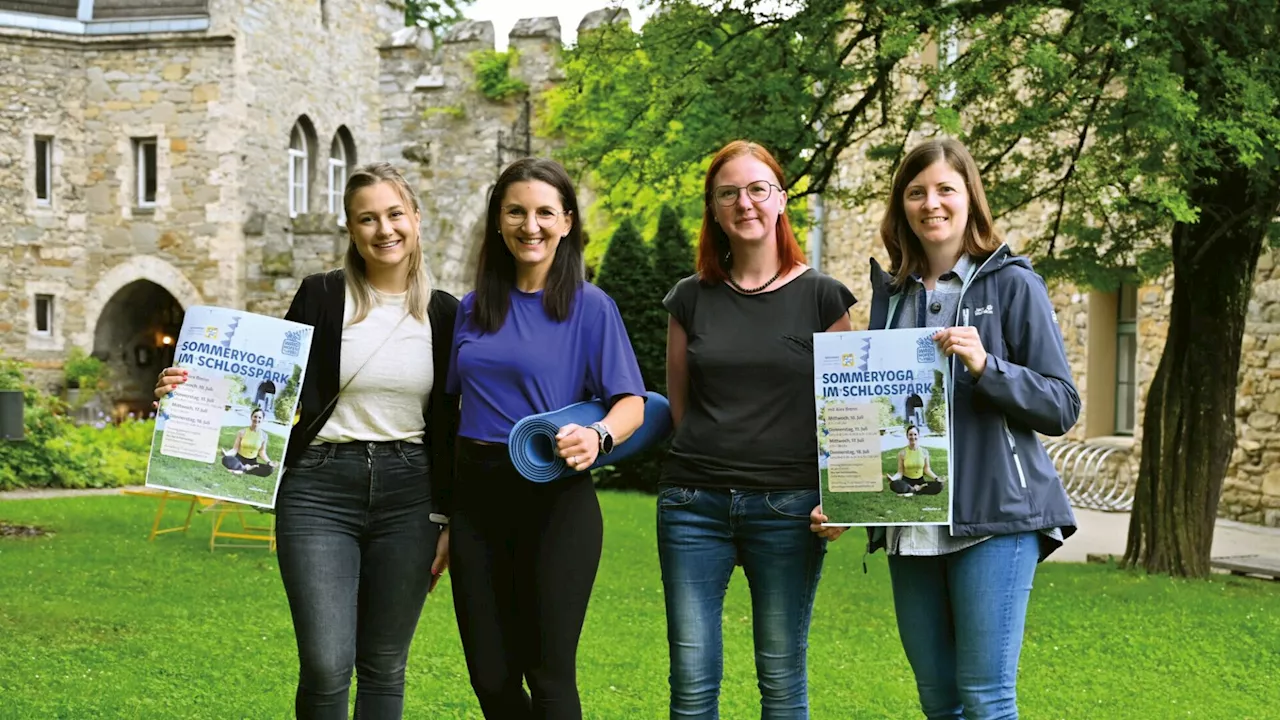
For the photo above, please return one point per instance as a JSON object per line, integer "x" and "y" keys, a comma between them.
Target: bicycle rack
{"x": 1084, "y": 467}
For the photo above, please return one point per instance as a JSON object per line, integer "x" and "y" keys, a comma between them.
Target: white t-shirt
{"x": 386, "y": 399}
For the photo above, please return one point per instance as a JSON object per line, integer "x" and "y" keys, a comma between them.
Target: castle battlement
{"x": 414, "y": 62}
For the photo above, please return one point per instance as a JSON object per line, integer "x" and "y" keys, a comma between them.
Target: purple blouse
{"x": 534, "y": 364}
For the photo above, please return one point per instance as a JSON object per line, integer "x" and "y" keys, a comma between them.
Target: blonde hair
{"x": 906, "y": 254}
{"x": 419, "y": 294}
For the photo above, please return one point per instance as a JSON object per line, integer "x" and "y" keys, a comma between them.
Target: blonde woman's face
{"x": 383, "y": 227}
{"x": 936, "y": 203}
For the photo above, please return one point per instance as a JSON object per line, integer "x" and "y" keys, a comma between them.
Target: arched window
{"x": 342, "y": 156}
{"x": 298, "y": 153}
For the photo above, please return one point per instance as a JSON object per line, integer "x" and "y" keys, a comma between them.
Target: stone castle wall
{"x": 445, "y": 133}
{"x": 296, "y": 60}
{"x": 94, "y": 97}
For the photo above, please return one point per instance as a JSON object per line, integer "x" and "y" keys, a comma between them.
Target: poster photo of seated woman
{"x": 248, "y": 453}
{"x": 915, "y": 475}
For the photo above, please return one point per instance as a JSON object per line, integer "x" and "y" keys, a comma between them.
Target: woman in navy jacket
{"x": 961, "y": 593}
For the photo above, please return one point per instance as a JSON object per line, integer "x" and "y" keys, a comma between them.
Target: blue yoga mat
{"x": 532, "y": 442}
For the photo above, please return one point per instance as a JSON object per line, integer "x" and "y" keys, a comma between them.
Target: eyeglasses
{"x": 545, "y": 217}
{"x": 758, "y": 191}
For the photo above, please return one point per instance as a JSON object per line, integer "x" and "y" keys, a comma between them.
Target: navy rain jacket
{"x": 1004, "y": 480}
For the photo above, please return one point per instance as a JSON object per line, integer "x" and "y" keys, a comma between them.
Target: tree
{"x": 1148, "y": 133}
{"x": 672, "y": 253}
{"x": 627, "y": 275}
{"x": 885, "y": 414}
{"x": 283, "y": 407}
{"x": 434, "y": 14}
{"x": 935, "y": 411}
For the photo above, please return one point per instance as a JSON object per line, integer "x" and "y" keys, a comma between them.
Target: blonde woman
{"x": 363, "y": 510}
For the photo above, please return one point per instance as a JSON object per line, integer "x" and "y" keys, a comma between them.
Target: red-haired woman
{"x": 742, "y": 473}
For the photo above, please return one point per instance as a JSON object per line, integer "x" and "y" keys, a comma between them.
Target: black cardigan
{"x": 319, "y": 303}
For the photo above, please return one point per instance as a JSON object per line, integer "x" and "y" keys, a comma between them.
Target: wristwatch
{"x": 606, "y": 437}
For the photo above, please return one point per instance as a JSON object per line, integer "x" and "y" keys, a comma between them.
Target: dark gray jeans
{"x": 355, "y": 547}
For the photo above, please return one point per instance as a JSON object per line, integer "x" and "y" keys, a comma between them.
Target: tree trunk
{"x": 1189, "y": 423}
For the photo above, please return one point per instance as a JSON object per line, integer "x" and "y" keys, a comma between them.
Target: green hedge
{"x": 638, "y": 275}
{"x": 58, "y": 453}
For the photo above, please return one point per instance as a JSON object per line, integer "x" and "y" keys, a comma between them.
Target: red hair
{"x": 713, "y": 244}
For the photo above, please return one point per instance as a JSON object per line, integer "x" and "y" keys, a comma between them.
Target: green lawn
{"x": 98, "y": 623}
{"x": 887, "y": 506}
{"x": 215, "y": 479}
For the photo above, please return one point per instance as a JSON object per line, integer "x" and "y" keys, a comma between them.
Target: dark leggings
{"x": 904, "y": 485}
{"x": 248, "y": 466}
{"x": 523, "y": 557}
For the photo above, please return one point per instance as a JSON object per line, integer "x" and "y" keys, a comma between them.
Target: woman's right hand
{"x": 170, "y": 379}
{"x": 816, "y": 518}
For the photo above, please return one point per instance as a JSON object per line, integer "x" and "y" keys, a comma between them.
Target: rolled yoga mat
{"x": 532, "y": 442}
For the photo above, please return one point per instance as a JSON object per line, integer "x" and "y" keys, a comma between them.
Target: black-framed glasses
{"x": 545, "y": 217}
{"x": 758, "y": 191}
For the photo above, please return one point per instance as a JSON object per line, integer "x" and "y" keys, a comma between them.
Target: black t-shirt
{"x": 750, "y": 421}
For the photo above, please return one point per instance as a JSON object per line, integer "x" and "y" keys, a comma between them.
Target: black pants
{"x": 249, "y": 466}
{"x": 927, "y": 487}
{"x": 523, "y": 557}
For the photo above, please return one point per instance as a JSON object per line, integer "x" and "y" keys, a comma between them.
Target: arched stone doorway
{"x": 135, "y": 335}
{"x": 915, "y": 410}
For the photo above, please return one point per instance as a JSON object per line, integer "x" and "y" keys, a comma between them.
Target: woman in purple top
{"x": 533, "y": 337}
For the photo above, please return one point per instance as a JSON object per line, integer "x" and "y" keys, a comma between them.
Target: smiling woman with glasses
{"x": 742, "y": 473}
{"x": 758, "y": 191}
{"x": 545, "y": 217}
{"x": 533, "y": 337}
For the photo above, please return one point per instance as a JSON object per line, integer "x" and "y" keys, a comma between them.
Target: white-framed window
{"x": 337, "y": 177}
{"x": 1126, "y": 359}
{"x": 297, "y": 171}
{"x": 44, "y": 170}
{"x": 145, "y": 167}
{"x": 43, "y": 315}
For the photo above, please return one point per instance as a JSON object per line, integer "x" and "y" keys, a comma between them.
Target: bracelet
{"x": 438, "y": 519}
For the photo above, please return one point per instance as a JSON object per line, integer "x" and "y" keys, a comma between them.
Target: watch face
{"x": 606, "y": 440}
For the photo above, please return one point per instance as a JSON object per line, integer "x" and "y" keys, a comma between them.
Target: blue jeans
{"x": 356, "y": 548}
{"x": 702, "y": 534}
{"x": 961, "y": 618}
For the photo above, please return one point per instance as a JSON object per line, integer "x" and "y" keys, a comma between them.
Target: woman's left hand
{"x": 963, "y": 342}
{"x": 441, "y": 563}
{"x": 578, "y": 446}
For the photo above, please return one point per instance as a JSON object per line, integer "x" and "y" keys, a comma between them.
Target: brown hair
{"x": 419, "y": 294}
{"x": 713, "y": 244}
{"x": 906, "y": 254}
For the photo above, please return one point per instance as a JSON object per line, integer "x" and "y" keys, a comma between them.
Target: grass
{"x": 214, "y": 479}
{"x": 887, "y": 506}
{"x": 98, "y": 623}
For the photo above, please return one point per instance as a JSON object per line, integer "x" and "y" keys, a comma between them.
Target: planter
{"x": 11, "y": 415}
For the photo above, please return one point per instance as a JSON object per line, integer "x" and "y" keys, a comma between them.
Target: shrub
{"x": 84, "y": 371}
{"x": 493, "y": 74}
{"x": 58, "y": 453}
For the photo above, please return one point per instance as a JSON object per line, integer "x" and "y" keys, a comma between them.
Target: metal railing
{"x": 1095, "y": 476}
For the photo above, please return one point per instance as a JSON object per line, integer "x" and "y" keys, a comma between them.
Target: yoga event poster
{"x": 223, "y": 433}
{"x": 883, "y": 427}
